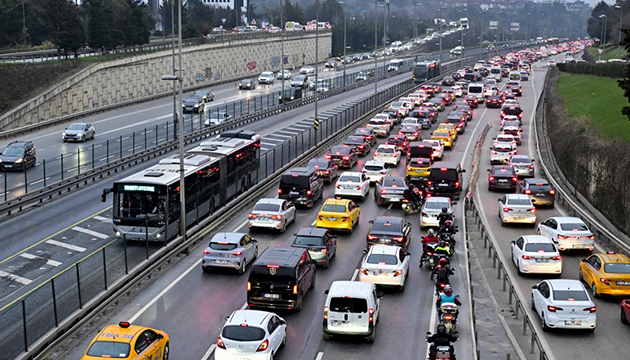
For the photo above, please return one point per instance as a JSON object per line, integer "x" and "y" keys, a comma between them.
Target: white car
{"x": 507, "y": 118}
{"x": 568, "y": 233}
{"x": 459, "y": 92}
{"x": 417, "y": 98}
{"x": 387, "y": 154}
{"x": 251, "y": 334}
{"x": 564, "y": 304}
{"x": 307, "y": 70}
{"x": 517, "y": 208}
{"x": 536, "y": 254}
{"x": 352, "y": 184}
{"x": 432, "y": 208}
{"x": 505, "y": 139}
{"x": 266, "y": 77}
{"x": 381, "y": 127}
{"x": 438, "y": 148}
{"x": 411, "y": 121}
{"x": 284, "y": 74}
{"x": 501, "y": 153}
{"x": 272, "y": 213}
{"x": 375, "y": 170}
{"x": 385, "y": 265}
{"x": 409, "y": 103}
{"x": 489, "y": 91}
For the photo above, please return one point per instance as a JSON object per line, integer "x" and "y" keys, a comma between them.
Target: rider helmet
{"x": 431, "y": 232}
{"x": 441, "y": 329}
{"x": 444, "y": 209}
{"x": 448, "y": 290}
{"x": 443, "y": 261}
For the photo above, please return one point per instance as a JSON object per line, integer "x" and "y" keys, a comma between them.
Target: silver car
{"x": 501, "y": 153}
{"x": 78, "y": 132}
{"x": 432, "y": 208}
{"x": 286, "y": 74}
{"x": 523, "y": 165}
{"x": 229, "y": 250}
{"x": 307, "y": 70}
{"x": 272, "y": 214}
{"x": 266, "y": 78}
{"x": 517, "y": 208}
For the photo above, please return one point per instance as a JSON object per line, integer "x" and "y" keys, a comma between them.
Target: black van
{"x": 420, "y": 149}
{"x": 280, "y": 278}
{"x": 445, "y": 179}
{"x": 302, "y": 186}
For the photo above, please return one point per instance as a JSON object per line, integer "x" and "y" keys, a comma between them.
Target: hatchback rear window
{"x": 109, "y": 349}
{"x": 243, "y": 333}
{"x": 382, "y": 259}
{"x": 318, "y": 163}
{"x": 539, "y": 187}
{"x": 222, "y": 246}
{"x": 519, "y": 202}
{"x": 384, "y": 226}
{"x": 294, "y": 181}
{"x": 308, "y": 241}
{"x": 434, "y": 205}
{"x": 573, "y": 227}
{"x": 373, "y": 167}
{"x": 540, "y": 247}
{"x": 386, "y": 150}
{"x": 347, "y": 304}
{"x": 334, "y": 208}
{"x": 350, "y": 178}
{"x": 447, "y": 174}
{"x": 617, "y": 268}
{"x": 570, "y": 295}
{"x": 267, "y": 207}
{"x": 503, "y": 149}
{"x": 394, "y": 182}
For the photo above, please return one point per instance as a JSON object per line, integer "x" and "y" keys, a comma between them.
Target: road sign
{"x": 253, "y": 22}
{"x": 316, "y": 124}
{"x": 493, "y": 25}
{"x": 224, "y": 20}
{"x": 600, "y": 51}
{"x": 514, "y": 26}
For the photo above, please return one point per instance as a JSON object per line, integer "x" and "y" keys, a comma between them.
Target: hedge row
{"x": 615, "y": 70}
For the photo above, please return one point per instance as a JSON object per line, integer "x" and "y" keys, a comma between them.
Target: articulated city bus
{"x": 147, "y": 204}
{"x": 424, "y": 71}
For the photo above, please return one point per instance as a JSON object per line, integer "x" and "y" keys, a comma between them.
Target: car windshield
{"x": 222, "y": 246}
{"x": 385, "y": 226}
{"x": 617, "y": 268}
{"x": 435, "y": 205}
{"x": 217, "y": 116}
{"x": 376, "y": 122}
{"x": 573, "y": 227}
{"x": 299, "y": 78}
{"x": 202, "y": 92}
{"x": 373, "y": 167}
{"x": 348, "y": 304}
{"x": 382, "y": 259}
{"x": 355, "y": 140}
{"x": 76, "y": 127}
{"x": 409, "y": 128}
{"x": 267, "y": 207}
{"x": 539, "y": 187}
{"x": 109, "y": 349}
{"x": 243, "y": 333}
{"x": 247, "y": 81}
{"x": 294, "y": 181}
{"x": 540, "y": 247}
{"x": 570, "y": 295}
{"x": 334, "y": 208}
{"x": 13, "y": 151}
{"x": 308, "y": 241}
{"x": 518, "y": 201}
{"x": 350, "y": 178}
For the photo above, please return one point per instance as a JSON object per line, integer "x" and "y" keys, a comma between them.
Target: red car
{"x": 625, "y": 311}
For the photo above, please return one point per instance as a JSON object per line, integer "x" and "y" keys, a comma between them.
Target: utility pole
{"x": 174, "y": 71}
{"x": 345, "y": 16}
{"x": 182, "y": 176}
{"x": 316, "y": 122}
{"x": 282, "y": 47}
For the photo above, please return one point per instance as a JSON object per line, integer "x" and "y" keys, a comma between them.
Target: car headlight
{"x": 79, "y": 135}
{"x": 203, "y": 97}
{"x": 18, "y": 160}
{"x": 63, "y": 134}
{"x": 196, "y": 105}
{"x": 207, "y": 122}
{"x": 291, "y": 97}
{"x": 279, "y": 97}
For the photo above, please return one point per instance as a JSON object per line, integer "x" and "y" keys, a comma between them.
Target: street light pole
{"x": 182, "y": 192}
{"x": 384, "y": 37}
{"x": 619, "y": 38}
{"x": 376, "y": 47}
{"x": 282, "y": 48}
{"x": 23, "y": 22}
{"x": 440, "y": 32}
{"x": 174, "y": 85}
{"x": 344, "y": 41}
{"x": 316, "y": 58}
{"x": 415, "y": 21}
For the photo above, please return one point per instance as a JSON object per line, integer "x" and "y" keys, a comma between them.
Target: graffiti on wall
{"x": 275, "y": 61}
{"x": 251, "y": 65}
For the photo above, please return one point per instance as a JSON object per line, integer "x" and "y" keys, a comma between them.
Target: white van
{"x": 495, "y": 72}
{"x": 514, "y": 75}
{"x": 477, "y": 90}
{"x": 352, "y": 308}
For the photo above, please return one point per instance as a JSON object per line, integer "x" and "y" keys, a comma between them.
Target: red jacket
{"x": 430, "y": 239}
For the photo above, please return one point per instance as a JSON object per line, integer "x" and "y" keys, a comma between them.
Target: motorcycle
{"x": 449, "y": 239}
{"x": 448, "y": 316}
{"x": 429, "y": 255}
{"x": 410, "y": 207}
{"x": 442, "y": 352}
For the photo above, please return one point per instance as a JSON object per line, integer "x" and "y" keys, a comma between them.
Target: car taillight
{"x": 456, "y": 183}
{"x": 372, "y": 237}
{"x": 527, "y": 192}
{"x": 279, "y": 191}
{"x": 382, "y": 191}
{"x": 295, "y": 289}
{"x": 237, "y": 253}
{"x": 364, "y": 271}
{"x": 325, "y": 312}
{"x": 371, "y": 312}
{"x": 249, "y": 286}
{"x": 361, "y": 146}
{"x": 532, "y": 210}
{"x": 338, "y": 186}
{"x": 324, "y": 251}
{"x": 263, "y": 346}
{"x": 429, "y": 183}
{"x": 553, "y": 308}
{"x": 319, "y": 217}
{"x": 383, "y": 172}
{"x": 397, "y": 273}
{"x": 328, "y": 157}
{"x": 592, "y": 237}
{"x": 220, "y": 343}
{"x": 344, "y": 219}
{"x": 394, "y": 154}
{"x": 556, "y": 258}
{"x": 346, "y": 158}
{"x": 525, "y": 257}
{"x": 398, "y": 238}
{"x": 360, "y": 187}
{"x": 401, "y": 133}
{"x": 309, "y": 193}
{"x": 491, "y": 178}
{"x": 207, "y": 252}
{"x": 562, "y": 237}
{"x": 591, "y": 309}
{"x": 494, "y": 153}
{"x": 515, "y": 179}
{"x": 409, "y": 168}
{"x": 507, "y": 209}
{"x": 551, "y": 192}
{"x": 252, "y": 216}
{"x": 604, "y": 281}
{"x": 276, "y": 217}
{"x": 376, "y": 154}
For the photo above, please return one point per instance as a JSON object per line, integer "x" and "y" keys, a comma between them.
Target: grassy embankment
{"x": 609, "y": 53}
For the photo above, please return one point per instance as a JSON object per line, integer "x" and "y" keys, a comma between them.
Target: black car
{"x": 290, "y": 94}
{"x": 361, "y": 144}
{"x": 516, "y": 90}
{"x": 455, "y": 117}
{"x": 301, "y": 185}
{"x": 389, "y": 230}
{"x": 538, "y": 190}
{"x": 205, "y": 94}
{"x": 193, "y": 104}
{"x": 369, "y": 133}
{"x": 466, "y": 111}
{"x": 456, "y": 76}
{"x": 445, "y": 179}
{"x": 448, "y": 81}
{"x": 247, "y": 84}
{"x": 280, "y": 278}
{"x": 320, "y": 243}
{"x": 326, "y": 169}
{"x": 18, "y": 155}
{"x": 343, "y": 156}
{"x": 472, "y": 100}
{"x": 511, "y": 110}
{"x": 502, "y": 177}
{"x": 494, "y": 101}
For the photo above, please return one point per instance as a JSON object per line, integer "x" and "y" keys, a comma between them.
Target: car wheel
{"x": 532, "y": 304}
{"x": 594, "y": 291}
{"x": 326, "y": 337}
{"x": 624, "y": 318}
{"x": 326, "y": 264}
{"x": 401, "y": 288}
{"x": 166, "y": 352}
{"x": 518, "y": 268}
{"x": 284, "y": 340}
{"x": 370, "y": 339}
{"x": 241, "y": 270}
{"x": 93, "y": 135}
{"x": 312, "y": 281}
{"x": 283, "y": 228}
{"x": 205, "y": 269}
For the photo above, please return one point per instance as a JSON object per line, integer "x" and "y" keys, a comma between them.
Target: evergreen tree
{"x": 625, "y": 82}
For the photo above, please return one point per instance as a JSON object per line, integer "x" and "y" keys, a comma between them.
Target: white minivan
{"x": 352, "y": 308}
{"x": 495, "y": 72}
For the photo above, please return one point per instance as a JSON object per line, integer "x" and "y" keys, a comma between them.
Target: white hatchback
{"x": 432, "y": 208}
{"x": 517, "y": 208}
{"x": 564, "y": 304}
{"x": 569, "y": 233}
{"x": 375, "y": 170}
{"x": 536, "y": 254}
{"x": 251, "y": 334}
{"x": 352, "y": 184}
{"x": 438, "y": 148}
{"x": 387, "y": 154}
{"x": 385, "y": 265}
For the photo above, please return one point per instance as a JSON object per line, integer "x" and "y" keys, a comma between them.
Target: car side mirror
{"x": 254, "y": 240}
{"x": 407, "y": 253}
{"x": 489, "y": 169}
{"x": 535, "y": 287}
{"x": 227, "y": 317}
{"x": 325, "y": 292}
{"x": 160, "y": 336}
{"x": 499, "y": 199}
{"x": 533, "y": 160}
{"x": 380, "y": 295}
{"x": 454, "y": 203}
{"x": 371, "y": 222}
{"x": 66, "y": 128}
{"x": 364, "y": 251}
{"x": 583, "y": 260}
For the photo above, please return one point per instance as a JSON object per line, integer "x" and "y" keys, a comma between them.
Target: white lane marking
{"x": 306, "y": 126}
{"x": 313, "y": 223}
{"x": 33, "y": 257}
{"x": 16, "y": 278}
{"x": 206, "y": 356}
{"x": 64, "y": 245}
{"x": 432, "y": 322}
{"x": 38, "y": 181}
{"x": 240, "y": 226}
{"x": 320, "y": 355}
{"x": 354, "y": 275}
{"x": 284, "y": 136}
{"x": 100, "y": 218}
{"x": 90, "y": 232}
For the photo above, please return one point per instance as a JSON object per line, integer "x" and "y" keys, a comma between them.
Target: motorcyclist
{"x": 441, "y": 272}
{"x": 429, "y": 239}
{"x": 441, "y": 338}
{"x": 412, "y": 195}
{"x": 444, "y": 215}
{"x": 442, "y": 249}
{"x": 447, "y": 297}
{"x": 447, "y": 228}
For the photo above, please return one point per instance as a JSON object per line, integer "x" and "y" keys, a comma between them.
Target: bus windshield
{"x": 139, "y": 205}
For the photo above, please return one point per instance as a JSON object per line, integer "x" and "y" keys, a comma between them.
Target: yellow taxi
{"x": 338, "y": 214}
{"x": 126, "y": 341}
{"x": 444, "y": 136}
{"x": 607, "y": 274}
{"x": 418, "y": 168}
{"x": 451, "y": 128}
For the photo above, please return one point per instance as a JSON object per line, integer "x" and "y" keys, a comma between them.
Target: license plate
{"x": 271, "y": 296}
{"x": 8, "y": 166}
{"x": 331, "y": 219}
{"x": 442, "y": 184}
{"x": 542, "y": 260}
{"x": 394, "y": 200}
{"x": 377, "y": 272}
{"x": 350, "y": 187}
{"x": 220, "y": 262}
{"x": 578, "y": 246}
{"x": 572, "y": 322}
{"x": 519, "y": 218}
{"x": 624, "y": 283}
{"x": 540, "y": 194}
{"x": 264, "y": 218}
{"x": 503, "y": 180}
{"x": 339, "y": 324}
{"x": 294, "y": 193}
